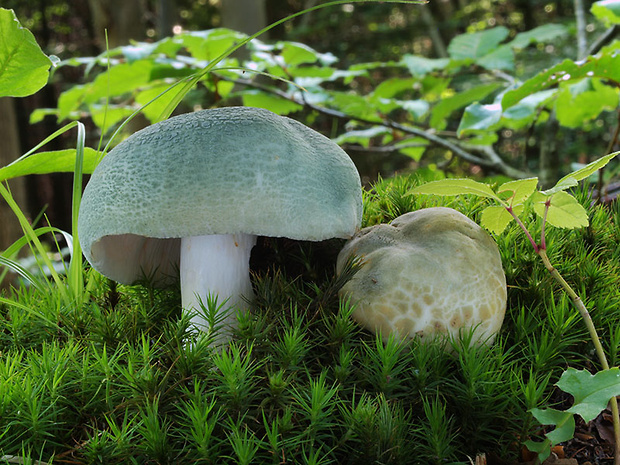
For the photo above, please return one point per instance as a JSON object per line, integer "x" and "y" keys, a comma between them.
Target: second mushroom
{"x": 427, "y": 273}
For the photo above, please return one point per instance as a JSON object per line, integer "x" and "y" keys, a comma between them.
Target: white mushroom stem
{"x": 216, "y": 265}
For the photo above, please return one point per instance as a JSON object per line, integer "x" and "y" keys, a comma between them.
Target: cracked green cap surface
{"x": 218, "y": 171}
{"x": 429, "y": 272}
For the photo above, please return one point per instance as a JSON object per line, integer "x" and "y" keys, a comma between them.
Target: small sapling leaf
{"x": 571, "y": 179}
{"x": 564, "y": 212}
{"x": 496, "y": 218}
{"x": 457, "y": 187}
{"x": 521, "y": 190}
{"x": 591, "y": 392}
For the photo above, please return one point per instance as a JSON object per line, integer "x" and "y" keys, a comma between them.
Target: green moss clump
{"x": 123, "y": 380}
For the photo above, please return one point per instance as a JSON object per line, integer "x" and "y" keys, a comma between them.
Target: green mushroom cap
{"x": 429, "y": 272}
{"x": 219, "y": 171}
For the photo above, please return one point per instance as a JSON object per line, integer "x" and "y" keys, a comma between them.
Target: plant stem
{"x": 578, "y": 303}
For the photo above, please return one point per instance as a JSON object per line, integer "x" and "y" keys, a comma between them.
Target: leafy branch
{"x": 484, "y": 156}
{"x": 558, "y": 208}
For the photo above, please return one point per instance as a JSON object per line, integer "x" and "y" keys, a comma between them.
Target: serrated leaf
{"x": 591, "y": 393}
{"x": 50, "y": 162}
{"x": 564, "y": 212}
{"x": 521, "y": 189}
{"x": 476, "y": 45}
{"x": 24, "y": 68}
{"x": 459, "y": 186}
{"x": 573, "y": 178}
{"x": 495, "y": 219}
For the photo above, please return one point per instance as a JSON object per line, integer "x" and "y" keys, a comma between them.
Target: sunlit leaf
{"x": 521, "y": 189}
{"x": 571, "y": 179}
{"x": 479, "y": 117}
{"x": 49, "y": 162}
{"x": 446, "y": 106}
{"x": 605, "y": 65}
{"x": 24, "y": 68}
{"x": 209, "y": 44}
{"x": 564, "y": 212}
{"x": 607, "y": 11}
{"x": 448, "y": 187}
{"x": 270, "y": 102}
{"x": 496, "y": 218}
{"x": 584, "y": 101}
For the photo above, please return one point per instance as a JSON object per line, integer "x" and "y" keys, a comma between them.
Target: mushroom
{"x": 427, "y": 273}
{"x": 190, "y": 195}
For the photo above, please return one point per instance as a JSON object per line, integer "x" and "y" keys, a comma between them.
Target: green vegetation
{"x": 116, "y": 381}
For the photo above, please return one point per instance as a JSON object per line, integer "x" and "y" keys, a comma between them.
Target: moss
{"x": 116, "y": 380}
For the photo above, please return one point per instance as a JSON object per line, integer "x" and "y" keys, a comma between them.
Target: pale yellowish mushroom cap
{"x": 429, "y": 272}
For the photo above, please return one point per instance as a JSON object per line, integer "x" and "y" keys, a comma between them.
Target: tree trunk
{"x": 549, "y": 168}
{"x": 122, "y": 19}
{"x": 248, "y": 16}
{"x": 10, "y": 230}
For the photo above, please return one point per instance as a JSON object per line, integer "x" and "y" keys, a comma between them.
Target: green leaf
{"x": 49, "y": 162}
{"x": 420, "y": 66}
{"x": 417, "y": 108}
{"x": 269, "y": 102}
{"x": 209, "y": 44}
{"x": 605, "y": 65}
{"x": 544, "y": 33}
{"x": 362, "y": 136}
{"x": 571, "y": 179}
{"x": 155, "y": 109}
{"x": 459, "y": 186}
{"x": 479, "y": 117}
{"x": 447, "y": 105}
{"x": 476, "y": 45}
{"x": 564, "y": 212}
{"x": 584, "y": 101}
{"x": 24, "y": 68}
{"x": 563, "y": 421}
{"x": 607, "y": 11}
{"x": 502, "y": 58}
{"x": 295, "y": 54}
{"x": 496, "y": 218}
{"x": 389, "y": 88}
{"x": 521, "y": 190}
{"x": 591, "y": 393}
